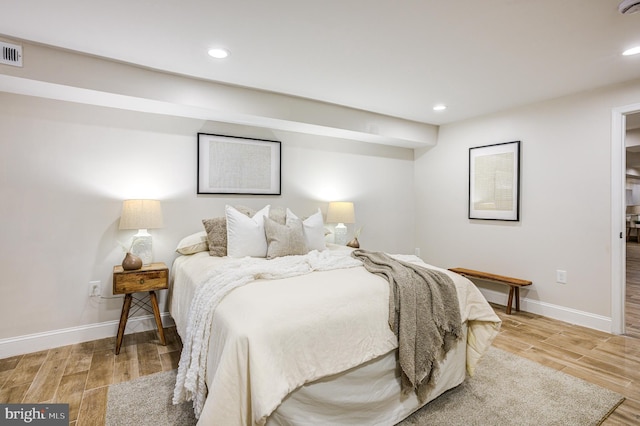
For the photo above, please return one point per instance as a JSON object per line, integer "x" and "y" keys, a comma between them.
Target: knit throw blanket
{"x": 423, "y": 313}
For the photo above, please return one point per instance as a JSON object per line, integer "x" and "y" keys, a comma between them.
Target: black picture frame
{"x": 238, "y": 165}
{"x": 494, "y": 181}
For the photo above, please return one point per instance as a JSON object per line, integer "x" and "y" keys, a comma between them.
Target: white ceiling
{"x": 394, "y": 58}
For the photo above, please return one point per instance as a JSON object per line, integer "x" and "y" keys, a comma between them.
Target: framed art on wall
{"x": 235, "y": 165}
{"x": 494, "y": 182}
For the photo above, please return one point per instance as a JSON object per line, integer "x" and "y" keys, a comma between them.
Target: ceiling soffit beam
{"x": 68, "y": 76}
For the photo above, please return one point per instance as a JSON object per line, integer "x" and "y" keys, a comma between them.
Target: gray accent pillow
{"x": 284, "y": 240}
{"x": 278, "y": 214}
{"x": 216, "y": 235}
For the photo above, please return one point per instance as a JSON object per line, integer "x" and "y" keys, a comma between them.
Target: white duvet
{"x": 287, "y": 322}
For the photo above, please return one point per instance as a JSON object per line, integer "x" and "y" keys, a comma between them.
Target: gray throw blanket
{"x": 423, "y": 313}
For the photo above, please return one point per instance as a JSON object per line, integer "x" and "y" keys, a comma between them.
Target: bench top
{"x": 491, "y": 277}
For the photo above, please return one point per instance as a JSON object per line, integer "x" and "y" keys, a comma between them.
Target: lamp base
{"x": 142, "y": 246}
{"x": 340, "y": 234}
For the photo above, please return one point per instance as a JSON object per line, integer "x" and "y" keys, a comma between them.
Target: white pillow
{"x": 193, "y": 243}
{"x": 245, "y": 235}
{"x": 313, "y": 227}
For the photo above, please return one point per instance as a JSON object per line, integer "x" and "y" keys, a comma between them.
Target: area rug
{"x": 506, "y": 390}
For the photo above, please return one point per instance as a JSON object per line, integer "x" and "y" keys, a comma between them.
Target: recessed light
{"x": 218, "y": 53}
{"x": 632, "y": 51}
{"x": 439, "y": 107}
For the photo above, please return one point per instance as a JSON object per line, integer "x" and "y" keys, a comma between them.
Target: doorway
{"x": 632, "y": 201}
{"x": 619, "y": 118}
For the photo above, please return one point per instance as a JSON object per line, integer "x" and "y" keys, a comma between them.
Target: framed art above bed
{"x": 494, "y": 182}
{"x": 236, "y": 165}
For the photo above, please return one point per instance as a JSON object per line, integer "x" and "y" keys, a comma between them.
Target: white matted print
{"x": 494, "y": 182}
{"x": 234, "y": 165}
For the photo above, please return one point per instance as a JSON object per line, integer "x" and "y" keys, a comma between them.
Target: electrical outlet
{"x": 561, "y": 276}
{"x": 94, "y": 288}
{"x": 416, "y": 251}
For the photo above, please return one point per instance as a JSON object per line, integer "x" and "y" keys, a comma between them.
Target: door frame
{"x": 618, "y": 215}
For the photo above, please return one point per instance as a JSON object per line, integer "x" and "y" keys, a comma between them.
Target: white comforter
{"x": 272, "y": 336}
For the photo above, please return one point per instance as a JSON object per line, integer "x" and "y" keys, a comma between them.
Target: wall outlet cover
{"x": 561, "y": 276}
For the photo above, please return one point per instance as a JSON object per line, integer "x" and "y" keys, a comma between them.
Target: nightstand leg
{"x": 156, "y": 313}
{"x": 123, "y": 321}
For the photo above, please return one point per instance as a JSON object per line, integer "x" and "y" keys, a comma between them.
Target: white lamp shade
{"x": 141, "y": 214}
{"x": 341, "y": 212}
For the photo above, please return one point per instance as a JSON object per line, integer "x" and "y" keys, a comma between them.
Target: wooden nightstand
{"x": 148, "y": 278}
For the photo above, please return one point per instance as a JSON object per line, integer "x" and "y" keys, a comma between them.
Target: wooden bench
{"x": 513, "y": 283}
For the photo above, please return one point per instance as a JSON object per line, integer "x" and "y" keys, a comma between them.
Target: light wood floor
{"x": 80, "y": 374}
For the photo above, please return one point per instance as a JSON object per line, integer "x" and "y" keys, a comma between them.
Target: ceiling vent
{"x": 627, "y": 7}
{"x": 11, "y": 54}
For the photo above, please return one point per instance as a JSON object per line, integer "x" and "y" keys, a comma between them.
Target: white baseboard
{"x": 562, "y": 313}
{"x": 52, "y": 339}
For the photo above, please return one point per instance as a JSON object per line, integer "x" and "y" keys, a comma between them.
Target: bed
{"x": 307, "y": 346}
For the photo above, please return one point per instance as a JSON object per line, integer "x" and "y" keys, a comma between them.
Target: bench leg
{"x": 518, "y": 299}
{"x": 510, "y": 301}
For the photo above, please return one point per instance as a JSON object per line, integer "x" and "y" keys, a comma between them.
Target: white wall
{"x": 565, "y": 202}
{"x": 65, "y": 169}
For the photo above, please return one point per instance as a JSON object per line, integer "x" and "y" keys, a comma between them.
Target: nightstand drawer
{"x": 141, "y": 280}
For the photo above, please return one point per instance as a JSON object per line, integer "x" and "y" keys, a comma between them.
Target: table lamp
{"x": 341, "y": 212}
{"x": 141, "y": 215}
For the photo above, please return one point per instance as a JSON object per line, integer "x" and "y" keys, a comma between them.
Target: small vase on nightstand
{"x": 354, "y": 243}
{"x": 131, "y": 262}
